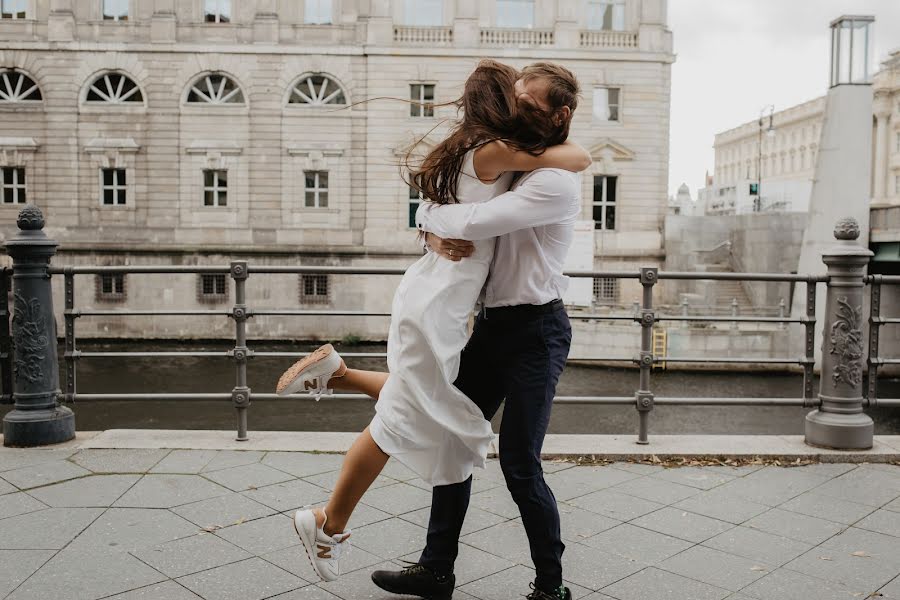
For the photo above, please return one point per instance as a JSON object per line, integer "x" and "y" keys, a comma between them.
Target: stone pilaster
{"x": 61, "y": 21}
{"x": 265, "y": 22}
{"x": 164, "y": 22}
{"x": 882, "y": 111}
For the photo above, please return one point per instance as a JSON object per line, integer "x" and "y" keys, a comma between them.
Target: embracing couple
{"x": 503, "y": 200}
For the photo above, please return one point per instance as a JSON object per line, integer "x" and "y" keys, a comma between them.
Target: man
{"x": 517, "y": 351}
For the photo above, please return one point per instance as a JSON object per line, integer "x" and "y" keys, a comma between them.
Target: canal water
{"x": 217, "y": 374}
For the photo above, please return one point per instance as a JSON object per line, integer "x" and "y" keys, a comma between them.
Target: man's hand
{"x": 454, "y": 250}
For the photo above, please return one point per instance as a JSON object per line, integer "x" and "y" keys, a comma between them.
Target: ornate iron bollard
{"x": 37, "y": 418}
{"x": 840, "y": 422}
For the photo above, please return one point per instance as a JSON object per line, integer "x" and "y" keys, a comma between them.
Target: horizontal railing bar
{"x": 738, "y": 318}
{"x": 716, "y": 276}
{"x": 317, "y": 313}
{"x": 888, "y": 279}
{"x": 695, "y": 359}
{"x": 148, "y": 313}
{"x": 888, "y": 320}
{"x": 888, "y": 402}
{"x": 136, "y": 269}
{"x": 283, "y": 354}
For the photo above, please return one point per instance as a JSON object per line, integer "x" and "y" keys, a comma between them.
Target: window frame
{"x": 604, "y": 203}
{"x": 213, "y": 297}
{"x": 320, "y": 100}
{"x": 115, "y": 187}
{"x": 499, "y": 11}
{"x": 17, "y": 97}
{"x": 318, "y": 191}
{"x": 117, "y": 18}
{"x": 215, "y": 189}
{"x": 318, "y": 3}
{"x": 318, "y": 281}
{"x": 14, "y": 16}
{"x": 117, "y": 98}
{"x": 613, "y": 5}
{"x": 419, "y": 107}
{"x": 15, "y": 186}
{"x": 605, "y": 291}
{"x": 101, "y": 295}
{"x": 610, "y": 106}
{"x": 218, "y": 12}
{"x": 415, "y": 198}
{"x": 214, "y": 97}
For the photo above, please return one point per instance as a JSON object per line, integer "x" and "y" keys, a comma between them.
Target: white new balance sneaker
{"x": 324, "y": 551}
{"x": 311, "y": 373}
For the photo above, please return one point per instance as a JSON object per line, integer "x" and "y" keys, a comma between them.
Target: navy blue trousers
{"x": 519, "y": 361}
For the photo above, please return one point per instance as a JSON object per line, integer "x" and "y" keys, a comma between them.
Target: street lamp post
{"x": 770, "y": 133}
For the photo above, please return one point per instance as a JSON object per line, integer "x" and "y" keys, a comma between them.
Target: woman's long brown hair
{"x": 490, "y": 112}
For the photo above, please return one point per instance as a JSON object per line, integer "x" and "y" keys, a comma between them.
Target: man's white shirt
{"x": 534, "y": 226}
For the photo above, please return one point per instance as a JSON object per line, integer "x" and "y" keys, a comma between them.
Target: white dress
{"x": 421, "y": 418}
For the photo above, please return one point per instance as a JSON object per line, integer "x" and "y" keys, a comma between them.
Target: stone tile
{"x": 554, "y": 466}
{"x": 864, "y": 485}
{"x": 892, "y": 590}
{"x": 304, "y": 464}
{"x": 119, "y": 460}
{"x": 682, "y": 524}
{"x": 248, "y": 477}
{"x": 740, "y": 471}
{"x": 594, "y": 569}
{"x": 262, "y": 536}
{"x": 825, "y": 507}
{"x": 397, "y": 470}
{"x": 17, "y": 565}
{"x": 862, "y": 574}
{"x": 893, "y": 505}
{"x": 510, "y": 583}
{"x": 572, "y": 483}
{"x": 289, "y": 495}
{"x": 226, "y": 459}
{"x": 49, "y": 529}
{"x": 693, "y": 477}
{"x": 7, "y": 488}
{"x": 722, "y": 505}
{"x": 829, "y": 470}
{"x": 223, "y": 511}
{"x": 656, "y": 490}
{"x": 167, "y": 491}
{"x": 472, "y": 564}
{"x": 716, "y": 568}
{"x": 77, "y": 575}
{"x": 617, "y": 506}
{"x": 252, "y": 579}
{"x": 191, "y": 555}
{"x": 328, "y": 480}
{"x": 871, "y": 542}
{"x": 20, "y": 503}
{"x": 497, "y": 500}
{"x": 637, "y": 468}
{"x": 390, "y": 539}
{"x": 598, "y": 596}
{"x": 772, "y": 485}
{"x": 358, "y": 585}
{"x": 476, "y": 519}
{"x": 97, "y": 490}
{"x": 130, "y": 529}
{"x": 310, "y": 592}
{"x": 364, "y": 515}
{"x": 790, "y": 585}
{"x": 637, "y": 544}
{"x": 795, "y": 526}
{"x": 577, "y": 524}
{"x": 758, "y": 545}
{"x": 399, "y": 498}
{"x": 44, "y": 474}
{"x": 882, "y": 521}
{"x": 184, "y": 462}
{"x": 294, "y": 560}
{"x": 167, "y": 590}
{"x": 16, "y": 458}
{"x": 662, "y": 585}
{"x": 507, "y": 540}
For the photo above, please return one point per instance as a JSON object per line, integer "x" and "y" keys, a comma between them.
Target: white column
{"x": 882, "y": 110}
{"x": 465, "y": 24}
{"x": 61, "y": 22}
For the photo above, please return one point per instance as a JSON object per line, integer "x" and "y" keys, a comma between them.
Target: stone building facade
{"x": 201, "y": 131}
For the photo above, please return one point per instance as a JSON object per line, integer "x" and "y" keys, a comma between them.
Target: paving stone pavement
{"x": 215, "y": 525}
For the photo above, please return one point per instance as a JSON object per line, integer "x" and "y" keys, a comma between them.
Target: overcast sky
{"x": 736, "y": 56}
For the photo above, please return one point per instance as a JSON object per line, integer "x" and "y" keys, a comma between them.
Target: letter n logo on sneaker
{"x": 324, "y": 551}
{"x": 310, "y": 385}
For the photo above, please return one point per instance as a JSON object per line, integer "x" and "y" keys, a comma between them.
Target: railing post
{"x": 808, "y": 361}
{"x": 69, "y": 315}
{"x": 840, "y": 422}
{"x": 37, "y": 418}
{"x": 643, "y": 398}
{"x": 240, "y": 394}
{"x": 875, "y": 323}
{"x": 781, "y": 312}
{"x": 5, "y": 339}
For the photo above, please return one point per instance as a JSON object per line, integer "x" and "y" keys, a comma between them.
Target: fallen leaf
{"x": 211, "y": 528}
{"x": 861, "y": 554}
{"x": 241, "y": 520}
{"x": 825, "y": 558}
{"x": 758, "y": 568}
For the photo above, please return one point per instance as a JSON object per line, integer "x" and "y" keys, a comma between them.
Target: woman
{"x": 421, "y": 418}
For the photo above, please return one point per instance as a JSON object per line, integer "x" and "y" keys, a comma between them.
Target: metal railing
{"x": 608, "y": 39}
{"x": 848, "y": 364}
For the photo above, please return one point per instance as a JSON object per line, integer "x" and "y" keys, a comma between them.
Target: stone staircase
{"x": 723, "y": 292}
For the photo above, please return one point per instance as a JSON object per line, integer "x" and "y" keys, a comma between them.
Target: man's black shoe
{"x": 562, "y": 593}
{"x": 416, "y": 580}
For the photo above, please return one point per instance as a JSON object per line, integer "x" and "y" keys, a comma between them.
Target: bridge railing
{"x": 840, "y": 398}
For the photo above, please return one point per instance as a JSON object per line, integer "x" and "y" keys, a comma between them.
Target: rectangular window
{"x": 606, "y": 290}
{"x": 604, "y": 202}
{"x": 606, "y": 15}
{"x": 13, "y": 9}
{"x": 318, "y": 12}
{"x": 215, "y": 187}
{"x": 115, "y": 10}
{"x": 13, "y": 184}
{"x": 316, "y": 189}
{"x": 516, "y": 14}
{"x": 415, "y": 199}
{"x": 213, "y": 287}
{"x": 111, "y": 287}
{"x": 113, "y": 189}
{"x": 314, "y": 289}
{"x": 423, "y": 13}
{"x": 606, "y": 103}
{"x": 218, "y": 11}
{"x": 422, "y": 96}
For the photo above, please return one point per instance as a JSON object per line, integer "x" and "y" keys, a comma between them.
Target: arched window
{"x": 114, "y": 88}
{"x": 16, "y": 86}
{"x": 317, "y": 90}
{"x": 215, "y": 88}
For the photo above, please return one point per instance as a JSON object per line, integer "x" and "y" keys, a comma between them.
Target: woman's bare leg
{"x": 355, "y": 380}
{"x": 362, "y": 465}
